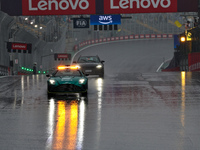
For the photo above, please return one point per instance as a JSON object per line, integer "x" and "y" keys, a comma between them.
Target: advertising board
{"x": 81, "y": 23}
{"x": 19, "y": 47}
{"x": 105, "y": 19}
{"x": 57, "y": 7}
{"x": 79, "y": 7}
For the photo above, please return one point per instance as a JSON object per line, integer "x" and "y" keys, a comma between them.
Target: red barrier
{"x": 147, "y": 36}
{"x": 170, "y": 35}
{"x": 75, "y": 47}
{"x": 164, "y": 36}
{"x": 171, "y": 69}
{"x": 131, "y": 37}
{"x": 141, "y": 36}
{"x": 153, "y": 36}
{"x": 126, "y": 37}
{"x": 194, "y": 61}
{"x": 21, "y": 73}
{"x": 159, "y": 36}
{"x": 112, "y": 39}
{"x": 136, "y": 36}
{"x": 121, "y": 37}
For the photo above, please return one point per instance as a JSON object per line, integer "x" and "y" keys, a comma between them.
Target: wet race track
{"x": 131, "y": 108}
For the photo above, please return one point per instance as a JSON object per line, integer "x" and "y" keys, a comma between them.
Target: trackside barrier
{"x": 194, "y": 61}
{"x": 172, "y": 69}
{"x": 4, "y": 70}
{"x": 127, "y": 37}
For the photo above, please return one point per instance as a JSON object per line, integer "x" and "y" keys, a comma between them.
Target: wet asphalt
{"x": 132, "y": 108}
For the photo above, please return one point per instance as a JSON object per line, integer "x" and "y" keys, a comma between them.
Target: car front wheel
{"x": 49, "y": 95}
{"x": 84, "y": 94}
{"x": 101, "y": 75}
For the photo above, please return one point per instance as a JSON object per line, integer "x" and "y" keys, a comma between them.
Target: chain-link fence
{"x": 155, "y": 23}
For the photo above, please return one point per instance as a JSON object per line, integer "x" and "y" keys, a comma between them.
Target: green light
{"x": 22, "y": 68}
{"x": 44, "y": 72}
{"x": 39, "y": 71}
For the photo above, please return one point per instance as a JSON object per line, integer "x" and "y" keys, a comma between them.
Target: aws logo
{"x": 105, "y": 20}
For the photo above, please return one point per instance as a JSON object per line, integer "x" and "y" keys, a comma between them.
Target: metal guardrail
{"x": 163, "y": 65}
{"x": 4, "y": 70}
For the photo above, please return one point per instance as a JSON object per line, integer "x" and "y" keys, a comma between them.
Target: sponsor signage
{"x": 57, "y": 7}
{"x": 62, "y": 56}
{"x": 81, "y": 22}
{"x": 78, "y": 7}
{"x": 139, "y": 6}
{"x": 14, "y": 47}
{"x": 20, "y": 46}
{"x": 188, "y": 35}
{"x": 105, "y": 19}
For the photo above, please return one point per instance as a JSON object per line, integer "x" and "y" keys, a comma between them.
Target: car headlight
{"x": 52, "y": 81}
{"x": 79, "y": 67}
{"x": 81, "y": 81}
{"x": 99, "y": 66}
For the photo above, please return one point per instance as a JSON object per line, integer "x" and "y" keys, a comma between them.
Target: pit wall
{"x": 193, "y": 63}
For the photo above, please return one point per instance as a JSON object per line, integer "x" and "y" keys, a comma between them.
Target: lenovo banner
{"x": 140, "y": 6}
{"x": 19, "y": 47}
{"x": 48, "y": 7}
{"x": 62, "y": 56}
{"x": 58, "y": 7}
{"x": 78, "y": 7}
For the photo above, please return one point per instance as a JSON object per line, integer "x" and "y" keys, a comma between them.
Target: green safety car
{"x": 66, "y": 80}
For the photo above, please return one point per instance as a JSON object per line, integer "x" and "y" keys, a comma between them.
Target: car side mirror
{"x": 47, "y": 75}
{"x": 74, "y": 62}
{"x": 102, "y": 61}
{"x": 86, "y": 74}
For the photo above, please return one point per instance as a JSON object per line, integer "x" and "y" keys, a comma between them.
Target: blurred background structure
{"x": 55, "y": 34}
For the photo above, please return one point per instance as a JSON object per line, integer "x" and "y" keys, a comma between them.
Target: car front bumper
{"x": 67, "y": 88}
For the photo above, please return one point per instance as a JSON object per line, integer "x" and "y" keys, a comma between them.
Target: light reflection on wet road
{"x": 140, "y": 111}
{"x": 154, "y": 111}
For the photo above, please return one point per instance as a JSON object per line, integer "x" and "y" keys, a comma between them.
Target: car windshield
{"x": 67, "y": 72}
{"x": 88, "y": 59}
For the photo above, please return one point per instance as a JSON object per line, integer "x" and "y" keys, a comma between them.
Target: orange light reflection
{"x": 65, "y": 134}
{"x": 73, "y": 126}
{"x": 60, "y": 127}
